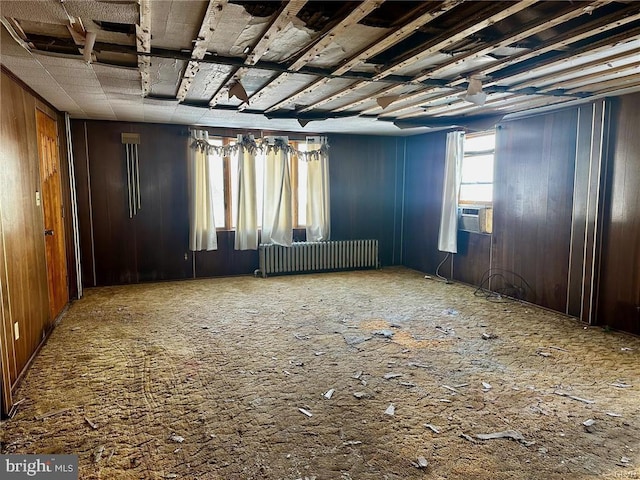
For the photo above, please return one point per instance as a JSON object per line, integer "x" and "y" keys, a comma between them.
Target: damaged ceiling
{"x": 373, "y": 66}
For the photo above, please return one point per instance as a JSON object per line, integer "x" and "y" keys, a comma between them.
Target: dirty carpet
{"x": 353, "y": 375}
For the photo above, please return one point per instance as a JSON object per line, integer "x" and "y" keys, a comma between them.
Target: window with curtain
{"x": 287, "y": 185}
{"x": 227, "y": 190}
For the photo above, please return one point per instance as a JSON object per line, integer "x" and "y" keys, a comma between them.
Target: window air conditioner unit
{"x": 475, "y": 218}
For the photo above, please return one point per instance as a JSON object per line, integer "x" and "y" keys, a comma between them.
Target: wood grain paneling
{"x": 83, "y": 188}
{"x": 52, "y": 206}
{"x": 114, "y": 233}
{"x": 424, "y": 173}
{"x": 226, "y": 261}
{"x": 619, "y": 280}
{"x": 533, "y": 193}
{"x": 152, "y": 245}
{"x": 162, "y": 224}
{"x": 365, "y": 176}
{"x": 7, "y": 352}
{"x": 25, "y": 279}
{"x": 67, "y": 209}
{"x": 473, "y": 257}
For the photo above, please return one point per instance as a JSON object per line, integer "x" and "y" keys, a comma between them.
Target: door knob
{"x": 48, "y": 232}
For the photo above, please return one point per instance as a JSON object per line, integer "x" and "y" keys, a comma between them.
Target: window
{"x": 476, "y": 186}
{"x": 216, "y": 165}
{"x": 225, "y": 184}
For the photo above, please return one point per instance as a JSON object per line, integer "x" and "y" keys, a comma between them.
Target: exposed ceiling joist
{"x": 209, "y": 24}
{"x": 447, "y": 39}
{"x": 319, "y": 82}
{"x": 389, "y": 90}
{"x": 407, "y": 63}
{"x": 335, "y": 96}
{"x": 433, "y": 46}
{"x": 143, "y": 45}
{"x": 580, "y": 67}
{"x": 533, "y": 27}
{"x": 630, "y": 79}
{"x": 597, "y": 26}
{"x": 364, "y": 9}
{"x": 286, "y": 16}
{"x": 361, "y": 11}
{"x": 591, "y": 47}
{"x": 392, "y": 38}
{"x": 585, "y": 79}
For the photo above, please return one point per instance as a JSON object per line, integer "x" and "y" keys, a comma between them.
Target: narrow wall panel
{"x": 424, "y": 173}
{"x": 619, "y": 279}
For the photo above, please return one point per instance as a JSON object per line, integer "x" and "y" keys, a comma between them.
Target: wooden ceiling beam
{"x": 286, "y": 16}
{"x": 143, "y": 45}
{"x": 317, "y": 83}
{"x": 389, "y": 90}
{"x": 415, "y": 99}
{"x": 617, "y": 82}
{"x": 584, "y": 79}
{"x": 433, "y": 47}
{"x": 448, "y": 39}
{"x": 591, "y": 48}
{"x": 388, "y": 39}
{"x": 528, "y": 30}
{"x": 209, "y": 24}
{"x": 531, "y": 28}
{"x": 589, "y": 29}
{"x": 360, "y": 12}
{"x": 634, "y": 53}
{"x": 337, "y": 95}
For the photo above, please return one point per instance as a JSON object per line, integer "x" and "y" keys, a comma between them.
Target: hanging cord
{"x": 440, "y": 277}
{"x": 514, "y": 288}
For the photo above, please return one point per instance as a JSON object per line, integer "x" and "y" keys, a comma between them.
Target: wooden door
{"x": 51, "y": 198}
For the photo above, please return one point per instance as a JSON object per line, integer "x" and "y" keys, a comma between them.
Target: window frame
{"x": 478, "y": 153}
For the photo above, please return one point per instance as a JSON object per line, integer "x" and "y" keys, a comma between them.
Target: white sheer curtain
{"x": 202, "y": 226}
{"x": 448, "y": 235}
{"x": 246, "y": 207}
{"x": 277, "y": 222}
{"x": 318, "y": 213}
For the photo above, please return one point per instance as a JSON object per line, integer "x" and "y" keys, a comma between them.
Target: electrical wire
{"x": 444, "y": 279}
{"x": 516, "y": 289}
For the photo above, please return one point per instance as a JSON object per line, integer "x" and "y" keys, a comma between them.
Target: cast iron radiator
{"x": 317, "y": 256}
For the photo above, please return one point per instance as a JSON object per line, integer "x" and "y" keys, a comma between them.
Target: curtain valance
{"x": 263, "y": 145}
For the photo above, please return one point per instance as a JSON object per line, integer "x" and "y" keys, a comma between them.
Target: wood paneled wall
{"x": 423, "y": 177}
{"x": 365, "y": 187}
{"x": 425, "y": 162}
{"x": 23, "y": 273}
{"x": 153, "y": 245}
{"x": 365, "y": 175}
{"x": 619, "y": 282}
{"x": 533, "y": 192}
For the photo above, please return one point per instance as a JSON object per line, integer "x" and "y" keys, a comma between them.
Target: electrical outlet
{"x": 16, "y": 331}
